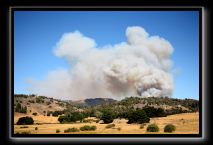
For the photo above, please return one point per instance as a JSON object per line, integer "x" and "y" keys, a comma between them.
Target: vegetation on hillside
{"x": 20, "y": 109}
{"x": 135, "y": 109}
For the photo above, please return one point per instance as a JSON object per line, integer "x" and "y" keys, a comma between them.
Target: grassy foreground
{"x": 186, "y": 123}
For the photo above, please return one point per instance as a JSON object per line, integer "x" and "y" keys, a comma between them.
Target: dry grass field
{"x": 186, "y": 123}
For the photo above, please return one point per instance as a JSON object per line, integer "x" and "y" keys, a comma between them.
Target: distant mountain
{"x": 98, "y": 101}
{"x": 93, "y": 102}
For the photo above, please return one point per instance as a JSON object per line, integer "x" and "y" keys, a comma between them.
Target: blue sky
{"x": 37, "y": 32}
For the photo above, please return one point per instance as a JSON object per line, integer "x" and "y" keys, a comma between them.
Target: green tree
{"x": 18, "y": 108}
{"x": 169, "y": 128}
{"x": 23, "y": 109}
{"x": 154, "y": 112}
{"x": 25, "y": 121}
{"x": 108, "y": 116}
{"x": 72, "y": 117}
{"x": 138, "y": 116}
{"x": 152, "y": 128}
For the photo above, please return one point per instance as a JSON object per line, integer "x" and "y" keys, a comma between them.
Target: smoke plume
{"x": 139, "y": 67}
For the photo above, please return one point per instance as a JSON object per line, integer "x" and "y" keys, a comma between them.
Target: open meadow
{"x": 186, "y": 123}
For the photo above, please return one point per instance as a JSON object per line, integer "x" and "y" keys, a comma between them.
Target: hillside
{"x": 126, "y": 115}
{"x": 166, "y": 103}
{"x": 41, "y": 105}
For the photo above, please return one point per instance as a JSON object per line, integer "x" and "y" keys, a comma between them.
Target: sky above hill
{"x": 80, "y": 54}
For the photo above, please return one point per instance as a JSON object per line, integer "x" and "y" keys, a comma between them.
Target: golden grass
{"x": 37, "y": 119}
{"x": 186, "y": 123}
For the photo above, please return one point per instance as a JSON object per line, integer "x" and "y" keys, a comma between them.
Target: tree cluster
{"x": 72, "y": 117}
{"x": 25, "y": 121}
{"x": 20, "y": 109}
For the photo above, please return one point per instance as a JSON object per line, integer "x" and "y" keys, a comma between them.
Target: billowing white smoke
{"x": 141, "y": 66}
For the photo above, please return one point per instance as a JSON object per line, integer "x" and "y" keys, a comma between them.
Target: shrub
{"x": 160, "y": 113}
{"x": 175, "y": 111}
{"x": 42, "y": 97}
{"x": 96, "y": 114}
{"x": 150, "y": 111}
{"x": 72, "y": 117}
{"x": 25, "y": 121}
{"x": 154, "y": 112}
{"x": 87, "y": 128}
{"x": 31, "y": 101}
{"x": 49, "y": 112}
{"x": 61, "y": 104}
{"x": 48, "y": 103}
{"x": 24, "y": 109}
{"x": 110, "y": 126}
{"x": 34, "y": 113}
{"x": 32, "y": 95}
{"x": 36, "y": 128}
{"x": 119, "y": 128}
{"x": 20, "y": 109}
{"x": 71, "y": 130}
{"x": 93, "y": 127}
{"x": 56, "y": 113}
{"x": 108, "y": 116}
{"x": 58, "y": 131}
{"x": 138, "y": 116}
{"x": 152, "y": 128}
{"x": 21, "y": 95}
{"x": 62, "y": 119}
{"x": 39, "y": 100}
{"x": 169, "y": 128}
